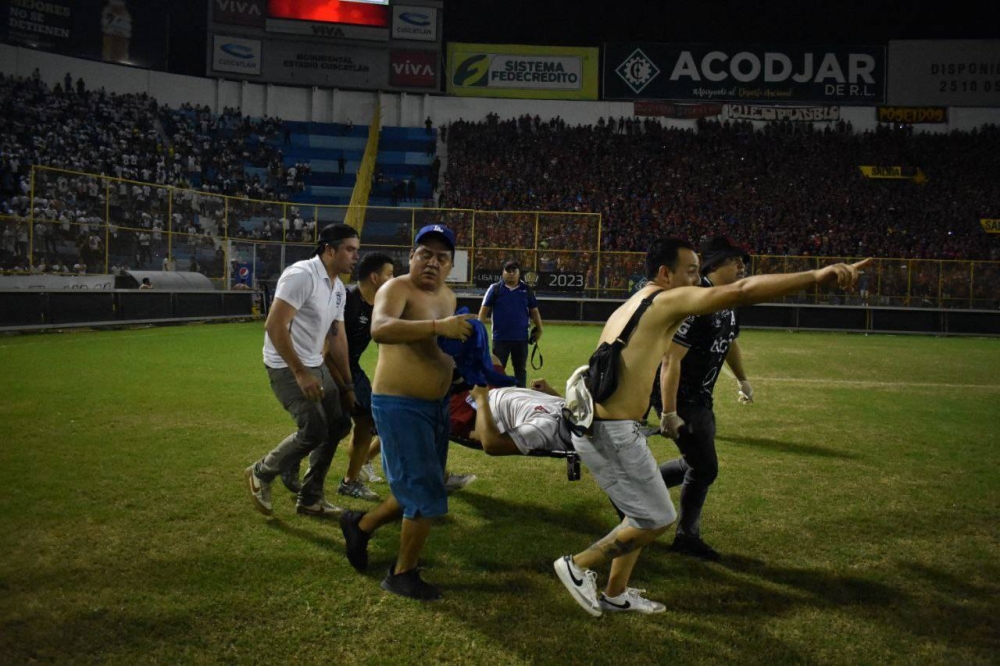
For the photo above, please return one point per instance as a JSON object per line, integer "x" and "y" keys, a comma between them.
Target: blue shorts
{"x": 362, "y": 390}
{"x": 414, "y": 437}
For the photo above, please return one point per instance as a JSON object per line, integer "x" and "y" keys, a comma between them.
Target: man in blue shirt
{"x": 510, "y": 302}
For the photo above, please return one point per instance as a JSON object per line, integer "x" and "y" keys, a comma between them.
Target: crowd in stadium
{"x": 789, "y": 189}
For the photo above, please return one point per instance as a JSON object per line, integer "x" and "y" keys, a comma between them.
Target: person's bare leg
{"x": 360, "y": 442}
{"x": 386, "y": 512}
{"x": 621, "y": 571}
{"x": 620, "y": 541}
{"x": 374, "y": 448}
{"x": 411, "y": 542}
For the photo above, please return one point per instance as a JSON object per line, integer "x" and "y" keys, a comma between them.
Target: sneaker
{"x": 321, "y": 509}
{"x": 369, "y": 475}
{"x": 290, "y": 477}
{"x": 260, "y": 491}
{"x": 581, "y": 584}
{"x": 695, "y": 547}
{"x": 355, "y": 539}
{"x": 454, "y": 482}
{"x": 631, "y": 600}
{"x": 409, "y": 584}
{"x": 356, "y": 489}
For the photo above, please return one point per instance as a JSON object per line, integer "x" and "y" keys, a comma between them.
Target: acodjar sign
{"x": 834, "y": 75}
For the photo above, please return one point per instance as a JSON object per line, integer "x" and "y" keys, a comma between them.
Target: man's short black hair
{"x": 664, "y": 252}
{"x": 373, "y": 263}
{"x": 333, "y": 234}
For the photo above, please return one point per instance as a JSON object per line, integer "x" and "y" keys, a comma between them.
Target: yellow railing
{"x": 104, "y": 222}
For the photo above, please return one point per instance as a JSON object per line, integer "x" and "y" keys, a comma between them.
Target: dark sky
{"x": 589, "y": 23}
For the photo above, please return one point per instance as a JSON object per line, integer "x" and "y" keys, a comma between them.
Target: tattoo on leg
{"x": 611, "y": 547}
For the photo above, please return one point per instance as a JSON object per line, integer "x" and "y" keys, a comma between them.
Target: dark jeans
{"x": 321, "y": 427}
{"x": 517, "y": 351}
{"x": 697, "y": 467}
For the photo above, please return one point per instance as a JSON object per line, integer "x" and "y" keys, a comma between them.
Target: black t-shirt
{"x": 357, "y": 323}
{"x": 708, "y": 338}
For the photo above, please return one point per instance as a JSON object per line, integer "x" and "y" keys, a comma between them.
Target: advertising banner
{"x": 795, "y": 114}
{"x": 944, "y": 72}
{"x": 235, "y": 54}
{"x": 239, "y": 12}
{"x": 310, "y": 64}
{"x": 745, "y": 73}
{"x": 526, "y": 72}
{"x": 894, "y": 172}
{"x": 671, "y": 110}
{"x": 126, "y": 32}
{"x": 990, "y": 226}
{"x": 327, "y": 30}
{"x": 413, "y": 69}
{"x": 419, "y": 23}
{"x": 912, "y": 115}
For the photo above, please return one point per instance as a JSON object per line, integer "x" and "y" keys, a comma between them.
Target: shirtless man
{"x": 615, "y": 448}
{"x": 412, "y": 378}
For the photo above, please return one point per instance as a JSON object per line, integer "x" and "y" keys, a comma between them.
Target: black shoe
{"x": 356, "y": 539}
{"x": 695, "y": 547}
{"x": 290, "y": 477}
{"x": 409, "y": 584}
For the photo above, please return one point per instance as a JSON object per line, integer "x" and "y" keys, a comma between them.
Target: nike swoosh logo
{"x": 624, "y": 606}
{"x": 576, "y": 581}
{"x": 253, "y": 483}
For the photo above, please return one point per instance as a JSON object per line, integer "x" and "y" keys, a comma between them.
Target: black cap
{"x": 511, "y": 265}
{"x": 334, "y": 233}
{"x": 715, "y": 251}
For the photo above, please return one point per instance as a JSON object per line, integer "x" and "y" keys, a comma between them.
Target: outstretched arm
{"x": 684, "y": 301}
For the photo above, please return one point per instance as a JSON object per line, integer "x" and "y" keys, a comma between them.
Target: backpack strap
{"x": 633, "y": 321}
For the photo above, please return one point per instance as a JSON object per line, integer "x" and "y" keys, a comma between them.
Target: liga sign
{"x": 527, "y": 72}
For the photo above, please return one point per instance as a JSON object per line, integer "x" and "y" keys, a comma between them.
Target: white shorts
{"x": 617, "y": 455}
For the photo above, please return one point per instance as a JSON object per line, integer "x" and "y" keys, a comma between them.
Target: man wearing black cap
{"x": 312, "y": 385}
{"x": 408, "y": 402}
{"x": 511, "y": 302}
{"x": 688, "y": 374}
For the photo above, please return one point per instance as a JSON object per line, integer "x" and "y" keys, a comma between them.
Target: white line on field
{"x": 865, "y": 383}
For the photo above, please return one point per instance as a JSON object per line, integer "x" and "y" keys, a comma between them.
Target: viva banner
{"x": 525, "y": 72}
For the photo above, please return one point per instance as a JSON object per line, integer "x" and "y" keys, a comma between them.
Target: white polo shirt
{"x": 306, "y": 286}
{"x": 532, "y": 419}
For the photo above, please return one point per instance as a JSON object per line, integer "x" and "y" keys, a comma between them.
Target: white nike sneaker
{"x": 631, "y": 600}
{"x": 260, "y": 491}
{"x": 582, "y": 584}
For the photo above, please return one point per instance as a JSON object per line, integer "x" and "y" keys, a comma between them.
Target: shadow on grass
{"x": 334, "y": 541}
{"x": 789, "y": 447}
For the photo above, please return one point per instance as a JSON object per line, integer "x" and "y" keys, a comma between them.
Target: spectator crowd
{"x": 788, "y": 189}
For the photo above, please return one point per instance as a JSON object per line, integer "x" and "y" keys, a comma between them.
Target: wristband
{"x": 666, "y": 415}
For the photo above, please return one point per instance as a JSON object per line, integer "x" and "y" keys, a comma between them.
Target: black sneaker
{"x": 695, "y": 547}
{"x": 290, "y": 477}
{"x": 356, "y": 539}
{"x": 409, "y": 584}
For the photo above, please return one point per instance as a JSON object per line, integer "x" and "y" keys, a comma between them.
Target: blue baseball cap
{"x": 438, "y": 230}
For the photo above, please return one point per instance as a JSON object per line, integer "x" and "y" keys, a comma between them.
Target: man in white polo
{"x": 316, "y": 389}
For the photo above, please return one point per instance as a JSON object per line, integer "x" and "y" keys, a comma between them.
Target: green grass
{"x": 856, "y": 508}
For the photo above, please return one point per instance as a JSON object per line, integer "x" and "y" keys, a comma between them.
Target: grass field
{"x": 857, "y": 511}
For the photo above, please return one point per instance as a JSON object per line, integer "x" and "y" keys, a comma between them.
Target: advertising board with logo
{"x": 235, "y": 54}
{"x": 527, "y": 72}
{"x": 249, "y": 13}
{"x": 672, "y": 110}
{"x": 744, "y": 73}
{"x": 416, "y": 23}
{"x": 324, "y": 30}
{"x": 943, "y": 72}
{"x": 794, "y": 114}
{"x": 310, "y": 64}
{"x": 413, "y": 69}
